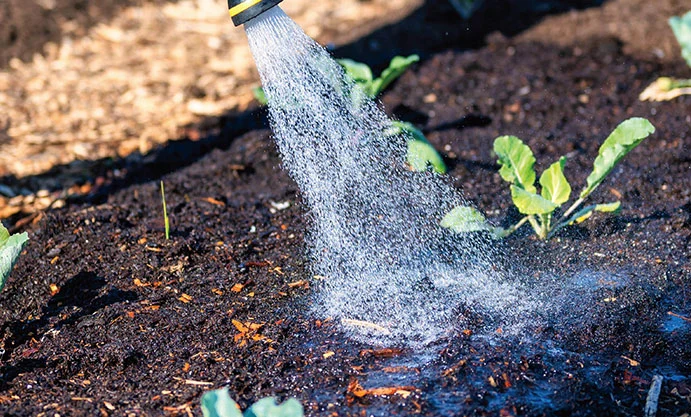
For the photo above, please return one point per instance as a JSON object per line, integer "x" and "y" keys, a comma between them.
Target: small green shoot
{"x": 667, "y": 88}
{"x": 260, "y": 95}
{"x": 516, "y": 162}
{"x": 166, "y": 222}
{"x": 10, "y": 249}
{"x": 218, "y": 403}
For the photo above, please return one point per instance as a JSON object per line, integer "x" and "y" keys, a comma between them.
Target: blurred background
{"x": 90, "y": 89}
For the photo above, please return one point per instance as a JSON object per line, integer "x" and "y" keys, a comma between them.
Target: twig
{"x": 192, "y": 382}
{"x": 678, "y": 316}
{"x": 653, "y": 395}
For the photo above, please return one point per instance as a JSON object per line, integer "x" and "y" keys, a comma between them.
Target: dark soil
{"x": 137, "y": 325}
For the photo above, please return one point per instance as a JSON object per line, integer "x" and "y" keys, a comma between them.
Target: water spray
{"x": 242, "y": 11}
{"x": 388, "y": 272}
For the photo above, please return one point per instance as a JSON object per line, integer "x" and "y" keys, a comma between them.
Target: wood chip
{"x": 382, "y": 353}
{"x": 89, "y": 400}
{"x": 631, "y": 361}
{"x": 214, "y": 201}
{"x": 185, "y": 298}
{"x": 358, "y": 391}
{"x": 54, "y": 289}
{"x": 366, "y": 324}
{"x": 454, "y": 368}
{"x": 302, "y": 284}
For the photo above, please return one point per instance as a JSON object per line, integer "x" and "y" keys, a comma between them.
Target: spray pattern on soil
{"x": 376, "y": 247}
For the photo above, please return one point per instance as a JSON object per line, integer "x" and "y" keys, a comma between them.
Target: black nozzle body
{"x": 243, "y": 10}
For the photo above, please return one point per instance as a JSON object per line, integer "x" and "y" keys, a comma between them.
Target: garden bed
{"x": 103, "y": 315}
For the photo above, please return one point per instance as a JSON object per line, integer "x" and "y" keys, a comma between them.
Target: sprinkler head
{"x": 242, "y": 11}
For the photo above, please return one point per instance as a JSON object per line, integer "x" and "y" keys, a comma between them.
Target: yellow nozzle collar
{"x": 239, "y": 8}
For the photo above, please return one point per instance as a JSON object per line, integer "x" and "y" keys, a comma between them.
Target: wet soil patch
{"x": 103, "y": 315}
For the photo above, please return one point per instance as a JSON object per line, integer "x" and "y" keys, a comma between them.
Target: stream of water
{"x": 382, "y": 264}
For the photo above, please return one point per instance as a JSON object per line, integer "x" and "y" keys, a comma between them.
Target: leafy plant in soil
{"x": 517, "y": 161}
{"x": 420, "y": 153}
{"x": 10, "y": 249}
{"x": 667, "y": 88}
{"x": 218, "y": 403}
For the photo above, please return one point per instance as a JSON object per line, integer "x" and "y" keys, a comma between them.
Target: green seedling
{"x": 667, "y": 88}
{"x": 363, "y": 77}
{"x": 166, "y": 222}
{"x": 10, "y": 249}
{"x": 516, "y": 162}
{"x": 420, "y": 153}
{"x": 218, "y": 403}
{"x": 466, "y": 8}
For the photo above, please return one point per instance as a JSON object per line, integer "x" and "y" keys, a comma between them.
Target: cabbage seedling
{"x": 218, "y": 403}
{"x": 363, "y": 77}
{"x": 420, "y": 153}
{"x": 666, "y": 88}
{"x": 10, "y": 249}
{"x": 516, "y": 162}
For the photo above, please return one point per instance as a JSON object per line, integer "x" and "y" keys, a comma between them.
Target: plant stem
{"x": 515, "y": 227}
{"x": 536, "y": 225}
{"x": 573, "y": 207}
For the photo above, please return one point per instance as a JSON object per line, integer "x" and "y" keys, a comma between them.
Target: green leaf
{"x": 619, "y": 143}
{"x": 10, "y": 249}
{"x": 555, "y": 187}
{"x": 420, "y": 152}
{"x": 218, "y": 403}
{"x": 516, "y": 160}
{"x": 681, "y": 26}
{"x": 614, "y": 207}
{"x": 396, "y": 68}
{"x": 4, "y": 235}
{"x": 463, "y": 219}
{"x": 359, "y": 72}
{"x": 267, "y": 407}
{"x": 530, "y": 203}
{"x": 260, "y": 96}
